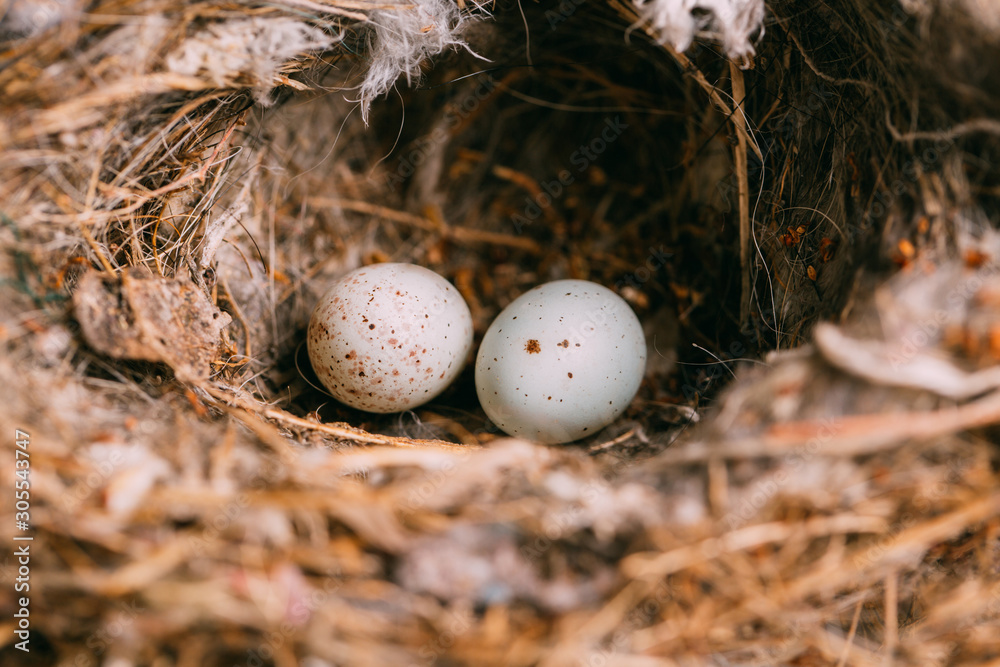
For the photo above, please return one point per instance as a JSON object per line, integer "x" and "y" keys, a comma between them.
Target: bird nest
{"x": 797, "y": 200}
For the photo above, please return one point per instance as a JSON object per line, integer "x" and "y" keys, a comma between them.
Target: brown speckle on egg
{"x": 392, "y": 300}
{"x": 532, "y": 347}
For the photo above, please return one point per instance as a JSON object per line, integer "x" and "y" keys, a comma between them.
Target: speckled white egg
{"x": 562, "y": 361}
{"x": 389, "y": 337}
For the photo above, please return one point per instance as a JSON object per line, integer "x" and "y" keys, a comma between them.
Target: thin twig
{"x": 337, "y": 430}
{"x": 627, "y": 435}
{"x": 891, "y": 618}
{"x": 849, "y": 642}
{"x": 465, "y": 234}
{"x": 742, "y": 180}
{"x": 987, "y": 125}
{"x": 847, "y": 436}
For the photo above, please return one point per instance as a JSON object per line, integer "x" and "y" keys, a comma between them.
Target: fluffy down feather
{"x": 731, "y": 22}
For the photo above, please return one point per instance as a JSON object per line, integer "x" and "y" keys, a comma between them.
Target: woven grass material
{"x": 827, "y": 495}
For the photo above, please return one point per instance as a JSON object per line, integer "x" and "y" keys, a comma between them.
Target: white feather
{"x": 403, "y": 37}
{"x": 731, "y": 22}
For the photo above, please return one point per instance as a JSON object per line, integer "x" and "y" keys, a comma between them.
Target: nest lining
{"x": 824, "y": 510}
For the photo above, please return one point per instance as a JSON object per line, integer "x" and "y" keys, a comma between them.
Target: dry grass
{"x": 774, "y": 495}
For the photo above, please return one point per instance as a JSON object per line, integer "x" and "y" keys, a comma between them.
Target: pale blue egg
{"x": 561, "y": 362}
